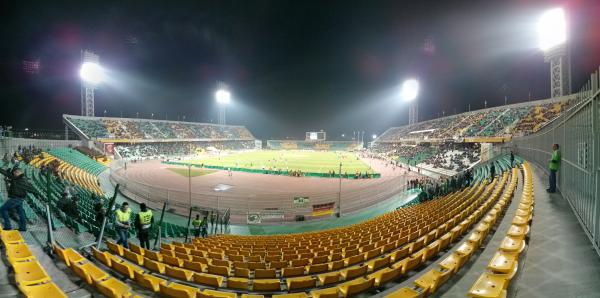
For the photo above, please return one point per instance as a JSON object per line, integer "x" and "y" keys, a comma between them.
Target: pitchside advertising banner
{"x": 323, "y": 209}
{"x": 300, "y": 202}
{"x": 256, "y": 217}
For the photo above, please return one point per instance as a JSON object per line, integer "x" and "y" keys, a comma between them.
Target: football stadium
{"x": 282, "y": 149}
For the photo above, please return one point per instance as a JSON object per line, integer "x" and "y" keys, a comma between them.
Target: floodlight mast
{"x": 223, "y": 98}
{"x": 409, "y": 92}
{"x": 552, "y": 34}
{"x": 91, "y": 75}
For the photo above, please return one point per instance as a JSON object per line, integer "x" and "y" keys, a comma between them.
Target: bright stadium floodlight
{"x": 410, "y": 90}
{"x": 91, "y": 73}
{"x": 374, "y": 136}
{"x": 223, "y": 96}
{"x": 552, "y": 29}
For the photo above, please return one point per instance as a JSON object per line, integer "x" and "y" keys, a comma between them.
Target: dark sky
{"x": 293, "y": 66}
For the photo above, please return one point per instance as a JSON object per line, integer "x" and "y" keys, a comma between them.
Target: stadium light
{"x": 223, "y": 96}
{"x": 552, "y": 29}
{"x": 410, "y": 90}
{"x": 374, "y": 136}
{"x": 91, "y": 73}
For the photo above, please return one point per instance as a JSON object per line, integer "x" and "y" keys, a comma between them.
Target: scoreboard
{"x": 315, "y": 136}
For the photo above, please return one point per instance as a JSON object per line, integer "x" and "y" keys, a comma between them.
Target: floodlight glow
{"x": 374, "y": 137}
{"x": 410, "y": 90}
{"x": 552, "y": 29}
{"x": 91, "y": 73}
{"x": 223, "y": 96}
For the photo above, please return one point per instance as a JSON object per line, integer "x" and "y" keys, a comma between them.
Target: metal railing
{"x": 577, "y": 131}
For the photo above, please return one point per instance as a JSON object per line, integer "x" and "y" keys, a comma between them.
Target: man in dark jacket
{"x": 17, "y": 190}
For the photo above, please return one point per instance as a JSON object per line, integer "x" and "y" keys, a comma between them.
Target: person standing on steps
{"x": 18, "y": 187}
{"x": 143, "y": 223}
{"x": 122, "y": 222}
{"x": 554, "y": 166}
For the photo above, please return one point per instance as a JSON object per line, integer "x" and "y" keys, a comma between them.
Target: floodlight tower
{"x": 91, "y": 74}
{"x": 409, "y": 93}
{"x": 223, "y": 97}
{"x": 552, "y": 33}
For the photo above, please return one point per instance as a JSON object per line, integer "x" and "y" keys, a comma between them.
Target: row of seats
{"x": 93, "y": 275}
{"x": 78, "y": 160}
{"x": 69, "y": 172}
{"x": 430, "y": 281}
{"x": 30, "y": 276}
{"x": 357, "y": 278}
{"x": 505, "y": 262}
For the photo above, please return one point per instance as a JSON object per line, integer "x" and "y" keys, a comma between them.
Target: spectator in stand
{"x": 493, "y": 170}
{"x": 143, "y": 224}
{"x": 18, "y": 187}
{"x": 123, "y": 217}
{"x": 197, "y": 224}
{"x": 512, "y": 158}
{"x": 554, "y": 166}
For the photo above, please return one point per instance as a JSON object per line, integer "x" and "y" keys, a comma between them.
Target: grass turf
{"x": 193, "y": 173}
{"x": 294, "y": 160}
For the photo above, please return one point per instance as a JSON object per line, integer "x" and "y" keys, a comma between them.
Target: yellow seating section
{"x": 70, "y": 173}
{"x": 429, "y": 282}
{"x": 32, "y": 280}
{"x": 504, "y": 264}
{"x": 343, "y": 261}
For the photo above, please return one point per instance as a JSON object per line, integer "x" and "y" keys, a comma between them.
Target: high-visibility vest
{"x": 123, "y": 217}
{"x": 145, "y": 217}
{"x": 196, "y": 223}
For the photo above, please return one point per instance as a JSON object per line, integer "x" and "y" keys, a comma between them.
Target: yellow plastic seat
{"x": 173, "y": 261}
{"x": 11, "y": 237}
{"x": 432, "y": 279}
{"x": 266, "y": 285}
{"x": 18, "y": 252}
{"x": 175, "y": 290}
{"x": 148, "y": 281}
{"x": 89, "y": 272}
{"x": 518, "y": 231}
{"x": 153, "y": 255}
{"x": 292, "y": 271}
{"x": 194, "y": 266}
{"x": 407, "y": 264}
{"x": 154, "y": 266}
{"x": 453, "y": 262}
{"x": 133, "y": 257}
{"x": 300, "y": 283}
{"x": 510, "y": 244}
{"x": 355, "y": 286}
{"x": 252, "y": 296}
{"x": 353, "y": 260}
{"x": 218, "y": 270}
{"x": 378, "y": 263}
{"x": 102, "y": 257}
{"x": 489, "y": 285}
{"x": 405, "y": 293}
{"x": 124, "y": 268}
{"x": 353, "y": 272}
{"x": 318, "y": 268}
{"x": 504, "y": 262}
{"x": 265, "y": 273}
{"x": 49, "y": 290}
{"x": 325, "y": 293}
{"x": 29, "y": 273}
{"x": 399, "y": 254}
{"x": 465, "y": 249}
{"x": 179, "y": 273}
{"x": 136, "y": 249}
{"x": 384, "y": 275}
{"x": 115, "y": 248}
{"x": 237, "y": 283}
{"x": 291, "y": 295}
{"x": 208, "y": 279}
{"x": 215, "y": 294}
{"x": 113, "y": 288}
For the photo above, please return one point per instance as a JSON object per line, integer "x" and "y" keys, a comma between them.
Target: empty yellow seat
{"x": 265, "y": 273}
{"x": 325, "y": 293}
{"x": 218, "y": 270}
{"x": 489, "y": 285}
{"x": 252, "y": 296}
{"x": 300, "y": 282}
{"x": 208, "y": 279}
{"x": 453, "y": 262}
{"x": 353, "y": 272}
{"x": 384, "y": 275}
{"x": 102, "y": 257}
{"x": 89, "y": 272}
{"x": 518, "y": 231}
{"x": 355, "y": 286}
{"x": 237, "y": 283}
{"x": 318, "y": 268}
{"x": 432, "y": 279}
{"x": 266, "y": 285}
{"x": 115, "y": 248}
{"x": 148, "y": 281}
{"x": 504, "y": 262}
{"x": 378, "y": 263}
{"x": 133, "y": 257}
{"x": 18, "y": 252}
{"x": 50, "y": 290}
{"x": 136, "y": 249}
{"x": 113, "y": 288}
{"x": 154, "y": 266}
{"x": 179, "y": 273}
{"x": 153, "y": 255}
{"x": 405, "y": 293}
{"x": 173, "y": 261}
{"x": 28, "y": 273}
{"x": 510, "y": 244}
{"x": 175, "y": 290}
{"x": 11, "y": 237}
{"x": 293, "y": 271}
{"x": 124, "y": 268}
{"x": 216, "y": 294}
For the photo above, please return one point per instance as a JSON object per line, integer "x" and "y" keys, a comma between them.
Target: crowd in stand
{"x": 494, "y": 122}
{"x": 433, "y": 188}
{"x": 455, "y": 157}
{"x": 124, "y": 128}
{"x": 156, "y": 150}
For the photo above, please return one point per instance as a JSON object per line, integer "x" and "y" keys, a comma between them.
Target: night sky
{"x": 292, "y": 66}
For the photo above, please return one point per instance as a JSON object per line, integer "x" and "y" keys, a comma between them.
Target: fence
{"x": 273, "y": 207}
{"x": 577, "y": 131}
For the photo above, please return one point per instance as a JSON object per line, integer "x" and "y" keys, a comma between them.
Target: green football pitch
{"x": 292, "y": 160}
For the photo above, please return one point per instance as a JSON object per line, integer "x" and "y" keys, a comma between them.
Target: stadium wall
{"x": 577, "y": 131}
{"x": 10, "y": 145}
{"x": 317, "y": 145}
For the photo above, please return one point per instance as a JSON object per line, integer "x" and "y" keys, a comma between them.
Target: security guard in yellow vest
{"x": 143, "y": 223}
{"x": 122, "y": 223}
{"x": 197, "y": 223}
